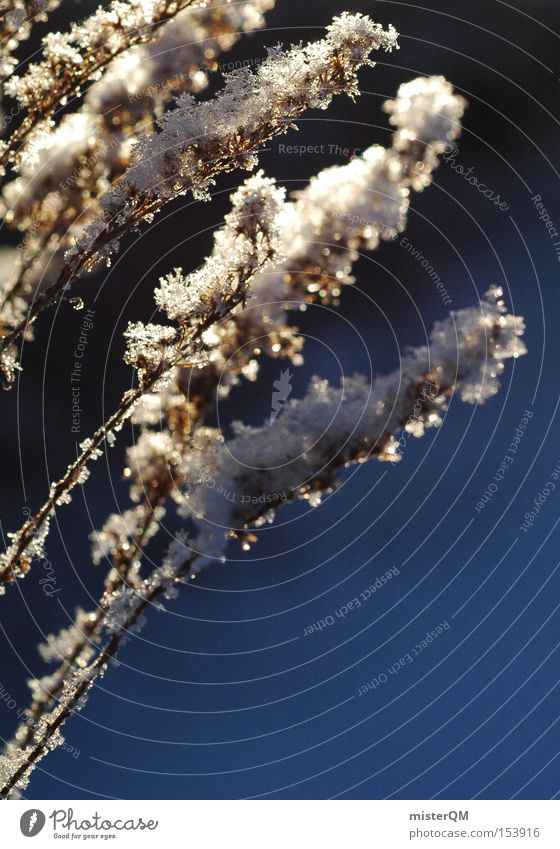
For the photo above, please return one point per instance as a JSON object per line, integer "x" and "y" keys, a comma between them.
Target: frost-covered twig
{"x": 72, "y": 59}
{"x": 201, "y": 140}
{"x": 300, "y": 455}
{"x": 246, "y": 243}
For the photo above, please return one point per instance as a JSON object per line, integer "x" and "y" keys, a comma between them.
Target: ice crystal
{"x": 113, "y": 164}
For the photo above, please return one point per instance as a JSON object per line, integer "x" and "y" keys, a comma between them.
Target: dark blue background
{"x": 222, "y": 696}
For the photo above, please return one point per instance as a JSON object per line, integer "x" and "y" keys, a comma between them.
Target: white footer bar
{"x": 282, "y": 824}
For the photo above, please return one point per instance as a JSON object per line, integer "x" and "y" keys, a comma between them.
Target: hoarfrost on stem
{"x": 301, "y": 453}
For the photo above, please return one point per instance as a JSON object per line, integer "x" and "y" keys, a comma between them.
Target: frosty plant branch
{"x": 71, "y": 59}
{"x": 201, "y": 140}
{"x": 302, "y": 456}
{"x": 247, "y": 242}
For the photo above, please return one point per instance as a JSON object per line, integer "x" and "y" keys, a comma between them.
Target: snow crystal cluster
{"x": 28, "y": 543}
{"x": 250, "y": 234}
{"x": 248, "y": 240}
{"x": 18, "y": 762}
{"x": 65, "y": 644}
{"x": 113, "y": 164}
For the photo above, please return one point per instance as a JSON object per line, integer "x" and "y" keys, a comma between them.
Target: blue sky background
{"x": 222, "y": 695}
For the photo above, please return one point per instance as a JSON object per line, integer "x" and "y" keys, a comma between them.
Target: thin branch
{"x": 74, "y": 692}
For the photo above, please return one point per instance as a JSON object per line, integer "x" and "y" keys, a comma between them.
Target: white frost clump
{"x": 46, "y": 165}
{"x": 427, "y": 109}
{"x": 10, "y": 307}
{"x": 242, "y": 243}
{"x": 68, "y": 641}
{"x": 120, "y": 529}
